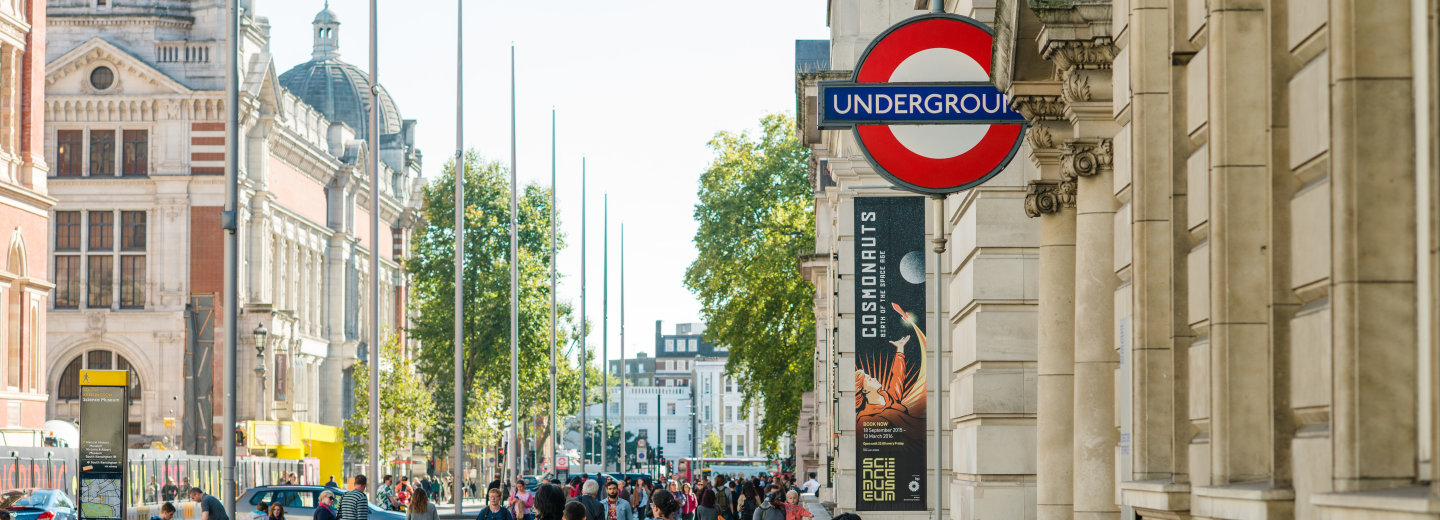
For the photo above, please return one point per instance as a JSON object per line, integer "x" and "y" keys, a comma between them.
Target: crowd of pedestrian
{"x": 764, "y": 497}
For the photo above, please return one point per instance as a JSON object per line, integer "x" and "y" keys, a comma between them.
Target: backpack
{"x": 502, "y": 514}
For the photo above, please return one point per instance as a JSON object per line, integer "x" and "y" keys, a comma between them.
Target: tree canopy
{"x": 756, "y": 216}
{"x": 404, "y": 400}
{"x": 486, "y": 352}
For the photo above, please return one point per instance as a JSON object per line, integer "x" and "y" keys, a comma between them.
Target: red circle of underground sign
{"x": 892, "y": 158}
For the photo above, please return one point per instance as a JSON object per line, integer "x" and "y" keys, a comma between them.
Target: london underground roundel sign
{"x": 922, "y": 106}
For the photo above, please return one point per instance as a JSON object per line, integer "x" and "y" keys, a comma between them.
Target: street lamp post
{"x": 261, "y": 336}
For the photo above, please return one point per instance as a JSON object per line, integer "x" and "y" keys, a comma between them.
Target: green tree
{"x": 404, "y": 400}
{"x": 486, "y": 352}
{"x": 713, "y": 447}
{"x": 755, "y": 217}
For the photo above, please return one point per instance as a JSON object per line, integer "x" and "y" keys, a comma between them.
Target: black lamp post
{"x": 261, "y": 336}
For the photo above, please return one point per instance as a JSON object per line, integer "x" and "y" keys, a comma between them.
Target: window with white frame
{"x": 669, "y": 344}
{"x": 102, "y": 152}
{"x": 90, "y": 268}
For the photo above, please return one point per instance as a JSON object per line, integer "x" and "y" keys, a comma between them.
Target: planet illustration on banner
{"x": 912, "y": 267}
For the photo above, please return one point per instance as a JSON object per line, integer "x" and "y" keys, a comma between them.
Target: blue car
{"x": 38, "y": 504}
{"x": 299, "y": 501}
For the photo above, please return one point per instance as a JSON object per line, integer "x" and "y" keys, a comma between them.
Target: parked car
{"x": 300, "y": 502}
{"x": 38, "y": 504}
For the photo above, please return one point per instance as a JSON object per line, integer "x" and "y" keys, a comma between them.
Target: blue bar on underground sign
{"x": 975, "y": 103}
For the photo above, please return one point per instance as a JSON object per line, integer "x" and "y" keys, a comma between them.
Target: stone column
{"x": 1053, "y": 201}
{"x": 1095, "y": 358}
{"x": 1054, "y": 422}
{"x": 1241, "y": 376}
{"x": 1373, "y": 260}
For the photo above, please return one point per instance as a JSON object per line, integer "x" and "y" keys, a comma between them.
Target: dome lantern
{"x": 327, "y": 34}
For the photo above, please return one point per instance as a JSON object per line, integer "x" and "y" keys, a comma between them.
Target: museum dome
{"x": 338, "y": 89}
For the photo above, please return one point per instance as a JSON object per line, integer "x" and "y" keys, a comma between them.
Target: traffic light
{"x": 500, "y": 453}
{"x": 430, "y": 467}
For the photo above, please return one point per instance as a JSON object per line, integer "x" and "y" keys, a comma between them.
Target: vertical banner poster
{"x": 104, "y": 416}
{"x": 890, "y": 350}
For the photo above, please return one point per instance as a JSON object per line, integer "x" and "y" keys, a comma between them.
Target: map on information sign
{"x": 100, "y": 498}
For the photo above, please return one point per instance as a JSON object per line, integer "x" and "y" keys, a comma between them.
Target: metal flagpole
{"x": 230, "y": 224}
{"x": 459, "y": 172}
{"x": 624, "y": 372}
{"x": 584, "y": 327}
{"x": 516, "y": 451}
{"x": 553, "y": 187}
{"x": 373, "y": 152}
{"x": 605, "y": 331}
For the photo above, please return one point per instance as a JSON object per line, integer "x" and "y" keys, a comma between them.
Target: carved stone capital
{"x": 1039, "y": 107}
{"x": 1047, "y": 197}
{"x": 1086, "y": 157}
{"x": 1040, "y": 137}
{"x": 1075, "y": 87}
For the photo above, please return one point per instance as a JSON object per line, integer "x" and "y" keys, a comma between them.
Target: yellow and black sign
{"x": 104, "y": 415}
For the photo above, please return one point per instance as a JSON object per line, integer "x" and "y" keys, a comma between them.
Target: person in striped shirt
{"x": 354, "y": 505}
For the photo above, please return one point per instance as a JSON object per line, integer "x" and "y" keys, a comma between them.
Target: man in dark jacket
{"x": 594, "y": 510}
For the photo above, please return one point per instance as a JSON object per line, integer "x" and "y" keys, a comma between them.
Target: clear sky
{"x": 640, "y": 87}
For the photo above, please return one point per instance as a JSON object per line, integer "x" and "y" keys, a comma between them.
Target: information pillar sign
{"x": 104, "y": 416}
{"x": 922, "y": 106}
{"x": 890, "y": 352}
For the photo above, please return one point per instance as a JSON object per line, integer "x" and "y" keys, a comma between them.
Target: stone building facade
{"x": 1230, "y": 282}
{"x": 24, "y": 204}
{"x": 136, "y": 134}
{"x": 984, "y": 342}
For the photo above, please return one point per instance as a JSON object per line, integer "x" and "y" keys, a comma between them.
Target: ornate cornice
{"x": 1086, "y": 157}
{"x": 1048, "y": 197}
{"x": 1097, "y": 53}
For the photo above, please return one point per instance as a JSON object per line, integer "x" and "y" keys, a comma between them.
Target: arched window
{"x": 68, "y": 387}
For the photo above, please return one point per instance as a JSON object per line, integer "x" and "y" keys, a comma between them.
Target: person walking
{"x": 706, "y": 500}
{"x": 384, "y": 493}
{"x": 420, "y": 507}
{"x": 749, "y": 501}
{"x": 168, "y": 492}
{"x": 210, "y": 507}
{"x": 722, "y": 498}
{"x": 616, "y": 508}
{"x": 688, "y": 504}
{"x": 594, "y": 510}
{"x": 521, "y": 501}
{"x": 493, "y": 509}
{"x": 664, "y": 506}
{"x": 773, "y": 506}
{"x": 640, "y": 498}
{"x": 261, "y": 511}
{"x": 355, "y": 504}
{"x": 574, "y": 511}
{"x": 549, "y": 502}
{"x": 325, "y": 510}
{"x": 812, "y": 486}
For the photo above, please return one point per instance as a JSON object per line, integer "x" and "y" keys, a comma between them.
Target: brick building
{"x": 136, "y": 131}
{"x": 24, "y": 203}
